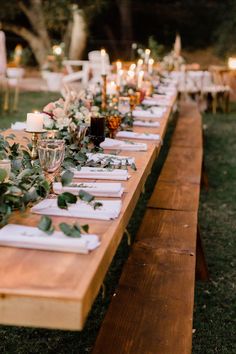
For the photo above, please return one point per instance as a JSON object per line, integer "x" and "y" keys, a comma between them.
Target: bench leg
{"x": 201, "y": 264}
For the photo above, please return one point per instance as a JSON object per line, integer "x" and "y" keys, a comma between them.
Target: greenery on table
{"x": 215, "y": 301}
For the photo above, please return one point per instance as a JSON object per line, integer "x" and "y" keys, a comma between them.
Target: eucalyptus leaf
{"x": 67, "y": 177}
{"x": 71, "y": 231}
{"x": 66, "y": 198}
{"x": 45, "y": 224}
{"x": 85, "y": 196}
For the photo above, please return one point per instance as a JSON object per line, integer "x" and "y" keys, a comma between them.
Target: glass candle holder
{"x": 5, "y": 164}
{"x": 97, "y": 130}
{"x": 51, "y": 155}
{"x": 124, "y": 105}
{"x": 113, "y": 123}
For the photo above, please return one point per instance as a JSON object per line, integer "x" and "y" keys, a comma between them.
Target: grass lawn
{"x": 215, "y": 301}
{"x": 28, "y": 102}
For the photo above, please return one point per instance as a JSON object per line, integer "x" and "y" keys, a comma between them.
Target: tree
{"x": 40, "y": 21}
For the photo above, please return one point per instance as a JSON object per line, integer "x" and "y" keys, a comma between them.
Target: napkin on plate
{"x": 148, "y": 114}
{"x": 145, "y": 123}
{"x": 97, "y": 189}
{"x": 112, "y": 159}
{"x": 123, "y": 145}
{"x": 109, "y": 210}
{"x": 21, "y": 236}
{"x": 18, "y": 126}
{"x": 101, "y": 173}
{"x": 132, "y": 135}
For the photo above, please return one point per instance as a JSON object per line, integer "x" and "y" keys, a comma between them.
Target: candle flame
{"x": 232, "y": 63}
{"x": 103, "y": 52}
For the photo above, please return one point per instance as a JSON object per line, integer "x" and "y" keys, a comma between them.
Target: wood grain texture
{"x": 149, "y": 313}
{"x": 175, "y": 230}
{"x": 183, "y": 165}
{"x": 175, "y": 196}
{"x": 55, "y": 289}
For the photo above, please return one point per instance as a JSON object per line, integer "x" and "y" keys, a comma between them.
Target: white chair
{"x": 73, "y": 75}
{"x": 95, "y": 65}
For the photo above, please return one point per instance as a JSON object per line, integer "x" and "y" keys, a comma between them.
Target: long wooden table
{"x": 55, "y": 289}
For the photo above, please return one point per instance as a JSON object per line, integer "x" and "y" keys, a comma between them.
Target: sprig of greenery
{"x": 45, "y": 224}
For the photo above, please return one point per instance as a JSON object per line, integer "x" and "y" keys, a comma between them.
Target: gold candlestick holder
{"x": 104, "y": 92}
{"x": 34, "y": 140}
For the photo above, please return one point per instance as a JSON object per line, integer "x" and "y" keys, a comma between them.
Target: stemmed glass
{"x": 113, "y": 123}
{"x": 51, "y": 155}
{"x": 124, "y": 105}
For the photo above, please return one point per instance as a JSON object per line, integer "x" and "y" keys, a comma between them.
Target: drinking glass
{"x": 113, "y": 123}
{"x": 124, "y": 105}
{"x": 51, "y": 155}
{"x": 97, "y": 130}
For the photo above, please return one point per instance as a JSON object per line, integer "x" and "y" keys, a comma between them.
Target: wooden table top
{"x": 57, "y": 289}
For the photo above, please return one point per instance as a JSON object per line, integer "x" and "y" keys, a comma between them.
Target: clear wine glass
{"x": 124, "y": 105}
{"x": 51, "y": 155}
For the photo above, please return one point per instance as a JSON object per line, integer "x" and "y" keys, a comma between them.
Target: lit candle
{"x": 150, "y": 65}
{"x": 119, "y": 78}
{"x": 132, "y": 67}
{"x": 130, "y": 75}
{"x": 118, "y": 66}
{"x": 139, "y": 64}
{"x": 103, "y": 61}
{"x": 34, "y": 122}
{"x": 111, "y": 88}
{"x": 140, "y": 79}
{"x": 232, "y": 63}
{"x": 147, "y": 55}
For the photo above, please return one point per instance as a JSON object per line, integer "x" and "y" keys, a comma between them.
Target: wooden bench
{"x": 152, "y": 309}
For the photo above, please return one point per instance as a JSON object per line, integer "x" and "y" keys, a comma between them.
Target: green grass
{"x": 215, "y": 301}
{"x": 28, "y": 102}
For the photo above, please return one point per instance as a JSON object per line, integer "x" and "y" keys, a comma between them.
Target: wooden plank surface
{"x": 57, "y": 290}
{"x": 175, "y": 196}
{"x": 148, "y": 313}
{"x": 182, "y": 165}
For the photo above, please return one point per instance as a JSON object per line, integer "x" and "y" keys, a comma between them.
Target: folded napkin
{"x": 162, "y": 101}
{"x": 97, "y": 189}
{"x": 18, "y": 126}
{"x": 101, "y": 173}
{"x": 109, "y": 210}
{"x": 112, "y": 159}
{"x": 143, "y": 123}
{"x": 151, "y": 113}
{"x": 21, "y": 236}
{"x": 123, "y": 145}
{"x": 132, "y": 135}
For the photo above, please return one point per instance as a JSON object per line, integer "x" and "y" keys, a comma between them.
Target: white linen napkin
{"x": 112, "y": 159}
{"x": 18, "y": 126}
{"x": 143, "y": 123}
{"x": 133, "y": 135}
{"x": 97, "y": 189}
{"x": 22, "y": 236}
{"x": 109, "y": 210}
{"x": 101, "y": 173}
{"x": 161, "y": 101}
{"x": 123, "y": 145}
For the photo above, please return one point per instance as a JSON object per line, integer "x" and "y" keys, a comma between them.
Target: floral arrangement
{"x": 69, "y": 113}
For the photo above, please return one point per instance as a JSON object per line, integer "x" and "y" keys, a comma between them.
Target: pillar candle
{"x": 150, "y": 65}
{"x": 103, "y": 61}
{"x": 140, "y": 79}
{"x": 118, "y": 66}
{"x": 147, "y": 55}
{"x": 34, "y": 122}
